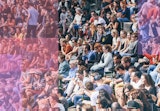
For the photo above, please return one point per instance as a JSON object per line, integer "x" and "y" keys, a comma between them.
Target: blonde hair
{"x": 114, "y": 31}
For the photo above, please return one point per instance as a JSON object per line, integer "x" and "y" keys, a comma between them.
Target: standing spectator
{"x": 32, "y": 21}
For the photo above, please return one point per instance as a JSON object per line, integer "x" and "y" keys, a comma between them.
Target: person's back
{"x": 33, "y": 16}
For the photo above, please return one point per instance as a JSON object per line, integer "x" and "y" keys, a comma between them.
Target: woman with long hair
{"x": 148, "y": 83}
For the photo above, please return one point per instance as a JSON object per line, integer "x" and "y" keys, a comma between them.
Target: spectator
{"x": 32, "y": 21}
{"x": 106, "y": 62}
{"x": 63, "y": 66}
{"x": 135, "y": 80}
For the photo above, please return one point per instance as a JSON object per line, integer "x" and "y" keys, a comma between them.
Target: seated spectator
{"x": 100, "y": 85}
{"x": 65, "y": 47}
{"x": 124, "y": 41}
{"x": 140, "y": 97}
{"x": 89, "y": 56}
{"x": 62, "y": 99}
{"x": 98, "y": 20}
{"x": 115, "y": 41}
{"x": 148, "y": 83}
{"x": 126, "y": 62}
{"x": 102, "y": 104}
{"x": 131, "y": 50}
{"x": 122, "y": 75}
{"x": 124, "y": 14}
{"x": 135, "y": 80}
{"x": 116, "y": 60}
{"x": 106, "y": 62}
{"x": 98, "y": 51}
{"x": 76, "y": 85}
{"x": 77, "y": 22}
{"x": 63, "y": 66}
{"x": 72, "y": 71}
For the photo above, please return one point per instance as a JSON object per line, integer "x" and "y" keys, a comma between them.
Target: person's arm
{"x": 117, "y": 46}
{"x": 118, "y": 80}
{"x": 29, "y": 15}
{"x": 125, "y": 46}
{"x": 106, "y": 61}
{"x": 115, "y": 25}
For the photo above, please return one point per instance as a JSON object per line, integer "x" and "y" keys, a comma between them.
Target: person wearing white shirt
{"x": 135, "y": 79}
{"x": 77, "y": 20}
{"x": 98, "y": 20}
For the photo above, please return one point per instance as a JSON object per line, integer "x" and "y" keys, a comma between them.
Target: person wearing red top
{"x": 154, "y": 57}
{"x": 66, "y": 47}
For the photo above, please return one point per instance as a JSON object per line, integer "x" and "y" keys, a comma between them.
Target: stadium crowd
{"x": 107, "y": 57}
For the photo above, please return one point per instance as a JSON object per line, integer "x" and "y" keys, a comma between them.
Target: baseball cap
{"x": 133, "y": 105}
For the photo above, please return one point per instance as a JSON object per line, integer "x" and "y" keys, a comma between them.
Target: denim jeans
{"x": 77, "y": 98}
{"x": 123, "y": 19}
{"x": 151, "y": 68}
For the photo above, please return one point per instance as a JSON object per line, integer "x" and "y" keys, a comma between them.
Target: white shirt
{"x": 93, "y": 98}
{"x": 99, "y": 21}
{"x": 77, "y": 18}
{"x": 136, "y": 85}
{"x": 115, "y": 40}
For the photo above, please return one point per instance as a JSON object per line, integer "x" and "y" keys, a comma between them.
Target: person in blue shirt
{"x": 32, "y": 21}
{"x": 122, "y": 74}
{"x": 63, "y": 66}
{"x": 124, "y": 15}
{"x": 72, "y": 71}
{"x": 89, "y": 55}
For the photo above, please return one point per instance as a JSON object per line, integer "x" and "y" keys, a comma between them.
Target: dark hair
{"x": 120, "y": 66}
{"x": 80, "y": 72}
{"x": 62, "y": 57}
{"x": 137, "y": 74}
{"x": 103, "y": 102}
{"x": 149, "y": 79}
{"x": 89, "y": 86}
{"x": 88, "y": 47}
{"x": 108, "y": 47}
{"x": 126, "y": 59}
{"x": 60, "y": 91}
{"x": 95, "y": 14}
{"x": 118, "y": 56}
{"x": 104, "y": 93}
{"x": 133, "y": 68}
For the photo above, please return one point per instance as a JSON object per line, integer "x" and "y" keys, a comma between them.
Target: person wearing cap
{"x": 133, "y": 105}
